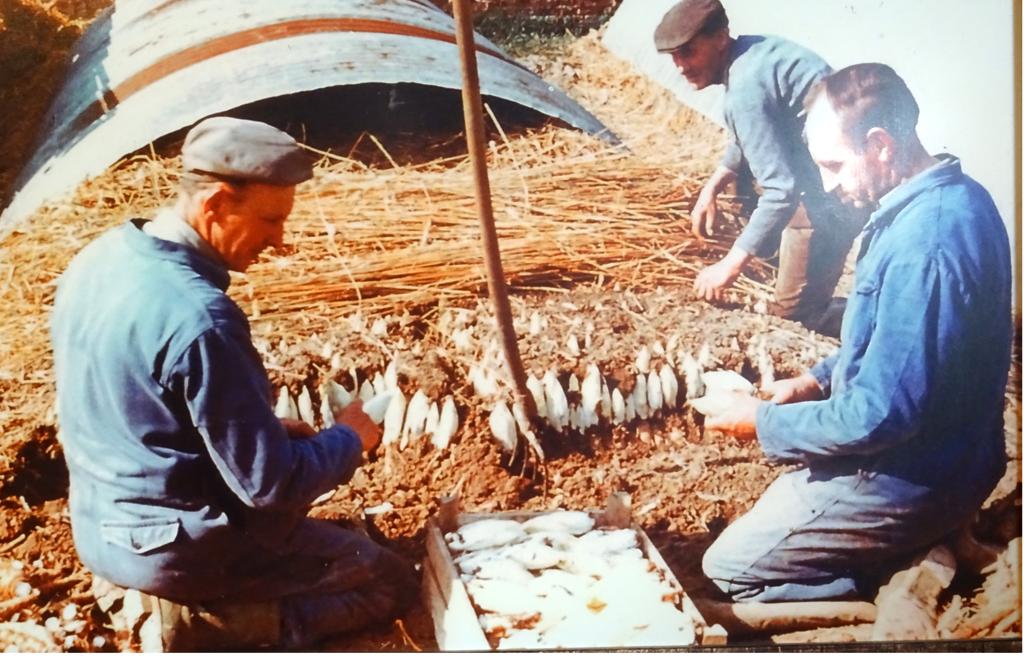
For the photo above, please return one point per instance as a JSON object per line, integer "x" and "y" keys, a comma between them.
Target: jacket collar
{"x": 948, "y": 170}
{"x": 740, "y": 44}
{"x": 178, "y": 253}
{"x": 170, "y": 226}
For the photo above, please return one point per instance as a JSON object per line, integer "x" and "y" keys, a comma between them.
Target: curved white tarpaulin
{"x": 147, "y": 68}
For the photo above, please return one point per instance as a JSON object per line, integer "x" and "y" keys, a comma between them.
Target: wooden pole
{"x": 472, "y": 107}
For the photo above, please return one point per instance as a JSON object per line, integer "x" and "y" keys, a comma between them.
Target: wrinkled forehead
{"x": 267, "y": 199}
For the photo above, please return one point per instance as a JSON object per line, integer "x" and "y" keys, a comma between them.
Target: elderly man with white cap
{"x": 766, "y": 80}
{"x": 184, "y": 485}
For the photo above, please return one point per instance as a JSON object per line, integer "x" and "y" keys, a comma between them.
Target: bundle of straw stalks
{"x": 569, "y": 208}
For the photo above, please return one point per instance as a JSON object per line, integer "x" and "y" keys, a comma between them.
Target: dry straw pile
{"x": 569, "y": 208}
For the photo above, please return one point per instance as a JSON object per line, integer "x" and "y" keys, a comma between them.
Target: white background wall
{"x": 956, "y": 56}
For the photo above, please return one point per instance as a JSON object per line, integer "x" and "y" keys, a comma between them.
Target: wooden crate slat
{"x": 455, "y": 619}
{"x": 706, "y": 636}
{"x": 456, "y": 627}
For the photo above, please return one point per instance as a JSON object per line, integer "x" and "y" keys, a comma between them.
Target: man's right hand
{"x": 705, "y": 211}
{"x": 794, "y": 390}
{"x": 360, "y": 422}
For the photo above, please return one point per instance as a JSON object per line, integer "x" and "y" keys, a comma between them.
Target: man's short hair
{"x": 689, "y": 19}
{"x": 869, "y": 95}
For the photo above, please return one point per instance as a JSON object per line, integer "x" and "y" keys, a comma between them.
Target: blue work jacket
{"x": 915, "y": 393}
{"x": 766, "y": 82}
{"x": 183, "y": 482}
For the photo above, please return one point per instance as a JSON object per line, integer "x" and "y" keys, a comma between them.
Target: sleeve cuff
{"x": 752, "y": 242}
{"x": 745, "y": 245}
{"x": 347, "y": 440}
{"x": 822, "y": 374}
{"x": 766, "y": 431}
{"x": 733, "y": 158}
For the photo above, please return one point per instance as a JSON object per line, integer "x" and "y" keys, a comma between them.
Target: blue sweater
{"x": 766, "y": 83}
{"x": 180, "y": 472}
{"x": 915, "y": 393}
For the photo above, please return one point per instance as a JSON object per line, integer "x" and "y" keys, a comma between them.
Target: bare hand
{"x": 739, "y": 420}
{"x": 353, "y": 417}
{"x": 712, "y": 282}
{"x": 794, "y": 390}
{"x": 296, "y": 428}
{"x": 705, "y": 212}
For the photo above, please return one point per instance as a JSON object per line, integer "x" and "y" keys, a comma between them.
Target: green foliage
{"x": 526, "y": 34}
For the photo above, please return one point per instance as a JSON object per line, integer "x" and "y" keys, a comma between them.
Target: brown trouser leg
{"x": 811, "y": 262}
{"x": 326, "y": 580}
{"x": 155, "y": 624}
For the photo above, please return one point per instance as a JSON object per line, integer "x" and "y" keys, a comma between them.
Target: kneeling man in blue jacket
{"x": 899, "y": 435}
{"x": 184, "y": 485}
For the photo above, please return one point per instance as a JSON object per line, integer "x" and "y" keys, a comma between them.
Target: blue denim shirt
{"x": 766, "y": 83}
{"x": 915, "y": 393}
{"x": 182, "y": 478}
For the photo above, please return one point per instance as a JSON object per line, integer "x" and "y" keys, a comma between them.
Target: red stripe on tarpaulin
{"x": 239, "y": 40}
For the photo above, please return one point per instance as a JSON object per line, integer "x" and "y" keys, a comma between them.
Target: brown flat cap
{"x": 683, "y": 22}
{"x": 244, "y": 150}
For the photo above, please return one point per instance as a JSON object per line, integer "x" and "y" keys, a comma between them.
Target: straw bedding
{"x": 569, "y": 208}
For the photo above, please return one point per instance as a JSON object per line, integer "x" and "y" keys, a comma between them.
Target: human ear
{"x": 213, "y": 203}
{"x": 721, "y": 37}
{"x": 881, "y": 145}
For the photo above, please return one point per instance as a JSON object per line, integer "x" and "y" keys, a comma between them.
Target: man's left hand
{"x": 739, "y": 420}
{"x": 712, "y": 282}
{"x": 353, "y": 417}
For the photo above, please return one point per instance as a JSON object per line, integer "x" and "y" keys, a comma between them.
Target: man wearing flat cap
{"x": 184, "y": 486}
{"x": 765, "y": 79}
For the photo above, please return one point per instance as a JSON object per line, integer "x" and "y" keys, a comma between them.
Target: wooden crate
{"x": 456, "y": 625}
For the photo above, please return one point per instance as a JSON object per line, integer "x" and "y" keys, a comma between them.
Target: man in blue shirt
{"x": 184, "y": 485}
{"x": 766, "y": 80}
{"x": 899, "y": 435}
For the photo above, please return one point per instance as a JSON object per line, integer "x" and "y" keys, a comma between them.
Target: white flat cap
{"x": 244, "y": 150}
